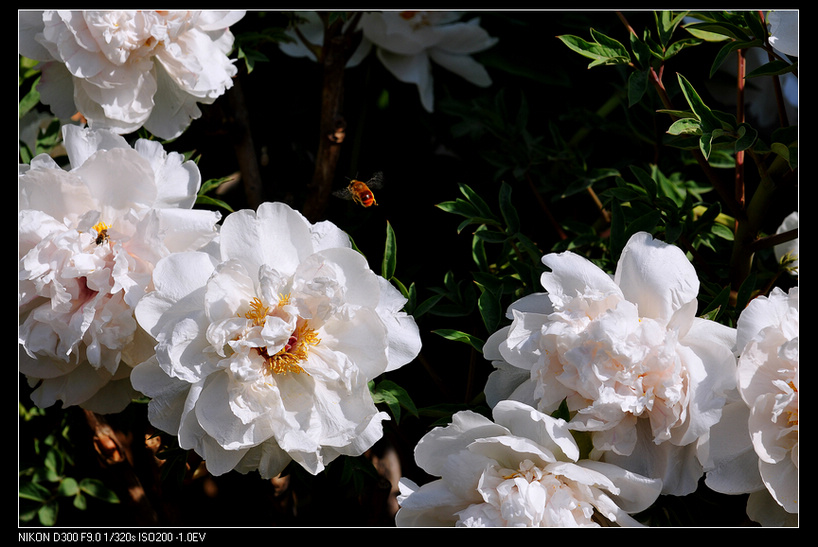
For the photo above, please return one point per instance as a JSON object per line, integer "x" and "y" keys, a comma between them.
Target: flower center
{"x": 297, "y": 347}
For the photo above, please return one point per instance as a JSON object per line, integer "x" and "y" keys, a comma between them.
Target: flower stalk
{"x": 338, "y": 46}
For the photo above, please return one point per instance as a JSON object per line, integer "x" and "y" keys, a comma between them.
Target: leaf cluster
{"x": 47, "y": 483}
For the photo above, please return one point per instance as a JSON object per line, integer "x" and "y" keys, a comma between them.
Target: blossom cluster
{"x": 255, "y": 338}
{"x": 256, "y": 335}
{"x": 644, "y": 378}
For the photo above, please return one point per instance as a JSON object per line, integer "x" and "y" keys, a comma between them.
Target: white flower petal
{"x": 411, "y": 69}
{"x": 657, "y": 277}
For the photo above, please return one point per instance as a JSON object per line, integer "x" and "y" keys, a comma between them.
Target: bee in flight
{"x": 361, "y": 192}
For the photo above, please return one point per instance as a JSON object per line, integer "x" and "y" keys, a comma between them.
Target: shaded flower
{"x": 522, "y": 469}
{"x": 407, "y": 42}
{"x": 265, "y": 347}
{"x": 783, "y": 25}
{"x": 127, "y": 69}
{"x": 755, "y": 449}
{"x": 311, "y": 29}
{"x": 88, "y": 241}
{"x": 639, "y": 372}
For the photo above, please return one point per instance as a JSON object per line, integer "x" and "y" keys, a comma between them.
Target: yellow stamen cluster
{"x": 792, "y": 415}
{"x": 258, "y": 312}
{"x": 296, "y": 349}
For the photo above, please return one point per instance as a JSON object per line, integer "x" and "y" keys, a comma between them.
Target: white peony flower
{"x": 265, "y": 348}
{"x": 127, "y": 69}
{"x": 522, "y": 469}
{"x": 406, "y": 42}
{"x": 783, "y": 25}
{"x": 788, "y": 252}
{"x": 88, "y": 241}
{"x": 756, "y": 449}
{"x": 638, "y": 371}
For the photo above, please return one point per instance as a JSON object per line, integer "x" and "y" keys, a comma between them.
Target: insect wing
{"x": 376, "y": 181}
{"x": 343, "y": 193}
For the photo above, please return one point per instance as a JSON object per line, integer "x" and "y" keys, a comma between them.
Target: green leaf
{"x": 459, "y": 336}
{"x": 727, "y": 49}
{"x": 68, "y": 487}
{"x": 610, "y": 52}
{"x": 508, "y": 211}
{"x": 747, "y": 136}
{"x": 30, "y": 99}
{"x": 489, "y": 305}
{"x": 666, "y": 24}
{"x": 426, "y": 305}
{"x": 562, "y": 411}
{"x": 685, "y": 126}
{"x": 474, "y": 198}
{"x": 207, "y": 200}
{"x": 48, "y": 514}
{"x": 645, "y": 181}
{"x": 789, "y": 153}
{"x": 745, "y": 291}
{"x": 637, "y": 86}
{"x": 773, "y": 68}
{"x": 33, "y": 491}
{"x": 389, "y": 254}
{"x": 709, "y": 121}
{"x": 97, "y": 489}
{"x": 394, "y": 396}
{"x": 721, "y": 28}
{"x": 80, "y": 502}
{"x": 717, "y": 305}
{"x": 459, "y": 207}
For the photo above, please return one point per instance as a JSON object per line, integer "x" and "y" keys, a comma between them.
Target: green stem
{"x": 749, "y": 226}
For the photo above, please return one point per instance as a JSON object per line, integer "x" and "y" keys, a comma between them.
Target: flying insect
{"x": 361, "y": 192}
